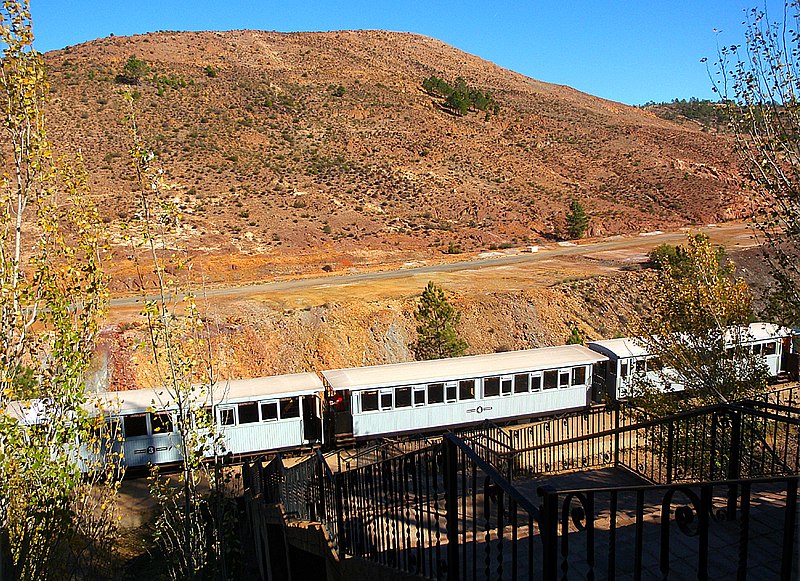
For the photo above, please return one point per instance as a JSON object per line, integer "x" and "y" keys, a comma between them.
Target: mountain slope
{"x": 269, "y": 157}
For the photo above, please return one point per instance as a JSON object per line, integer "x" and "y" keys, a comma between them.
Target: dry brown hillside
{"x": 277, "y": 171}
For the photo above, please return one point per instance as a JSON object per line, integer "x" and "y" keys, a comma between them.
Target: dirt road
{"x": 544, "y": 266}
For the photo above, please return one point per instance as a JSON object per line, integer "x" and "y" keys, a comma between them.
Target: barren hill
{"x": 291, "y": 151}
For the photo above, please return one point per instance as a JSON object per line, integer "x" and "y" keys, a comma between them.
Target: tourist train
{"x": 339, "y": 407}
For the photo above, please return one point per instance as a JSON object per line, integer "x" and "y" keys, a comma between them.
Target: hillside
{"x": 292, "y": 152}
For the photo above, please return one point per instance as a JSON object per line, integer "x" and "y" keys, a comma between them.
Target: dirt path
{"x": 502, "y": 270}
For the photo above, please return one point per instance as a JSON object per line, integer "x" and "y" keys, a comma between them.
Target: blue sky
{"x": 624, "y": 50}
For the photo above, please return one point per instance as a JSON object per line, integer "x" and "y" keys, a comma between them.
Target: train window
{"x": 466, "y": 389}
{"x": 563, "y": 379}
{"x": 227, "y": 416}
{"x": 110, "y": 430}
{"x": 505, "y": 386}
{"x": 269, "y": 411}
{"x": 369, "y": 401}
{"x": 451, "y": 392}
{"x": 521, "y": 383}
{"x": 290, "y": 407}
{"x": 135, "y": 425}
{"x": 757, "y": 349}
{"x": 435, "y": 393}
{"x": 653, "y": 364}
{"x": 419, "y": 396}
{"x": 386, "y": 400}
{"x": 161, "y": 423}
{"x": 491, "y": 386}
{"x": 770, "y": 348}
{"x": 402, "y": 397}
{"x": 248, "y": 413}
{"x": 204, "y": 417}
{"x": 550, "y": 379}
{"x": 536, "y": 382}
{"x": 578, "y": 376}
{"x": 623, "y": 370}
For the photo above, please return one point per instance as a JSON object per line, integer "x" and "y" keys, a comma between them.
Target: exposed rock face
{"x": 253, "y": 339}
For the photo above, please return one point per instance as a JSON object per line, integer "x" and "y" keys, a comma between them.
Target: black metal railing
{"x": 679, "y": 531}
{"x": 385, "y": 448}
{"x": 722, "y": 441}
{"x": 392, "y": 512}
{"x": 722, "y": 497}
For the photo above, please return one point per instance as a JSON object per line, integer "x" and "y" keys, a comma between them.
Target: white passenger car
{"x": 253, "y": 415}
{"x": 628, "y": 358}
{"x": 427, "y": 395}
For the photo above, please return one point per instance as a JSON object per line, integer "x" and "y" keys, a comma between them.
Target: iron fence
{"x": 722, "y": 498}
{"x": 750, "y": 439}
{"x": 679, "y": 531}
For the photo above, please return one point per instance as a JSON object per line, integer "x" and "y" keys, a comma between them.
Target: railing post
{"x": 451, "y": 507}
{"x": 616, "y": 434}
{"x": 670, "y": 446}
{"x": 548, "y": 531}
{"x": 343, "y": 539}
{"x": 734, "y": 463}
{"x": 321, "y": 491}
{"x": 790, "y": 518}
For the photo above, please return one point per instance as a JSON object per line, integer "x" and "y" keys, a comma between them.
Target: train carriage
{"x": 427, "y": 395}
{"x": 253, "y": 415}
{"x": 629, "y": 358}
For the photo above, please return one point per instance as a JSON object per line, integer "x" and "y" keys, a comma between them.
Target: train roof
{"x": 231, "y": 391}
{"x": 416, "y": 372}
{"x": 766, "y": 331}
{"x": 619, "y": 348}
{"x": 627, "y": 347}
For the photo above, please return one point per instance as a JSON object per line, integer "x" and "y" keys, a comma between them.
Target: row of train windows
{"x": 244, "y": 413}
{"x": 655, "y": 364}
{"x": 435, "y": 393}
{"x": 770, "y": 348}
{"x": 265, "y": 411}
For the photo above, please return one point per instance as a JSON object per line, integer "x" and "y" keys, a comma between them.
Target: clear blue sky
{"x": 626, "y": 50}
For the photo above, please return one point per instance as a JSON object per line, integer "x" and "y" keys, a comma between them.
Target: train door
{"x": 599, "y": 379}
{"x": 312, "y": 424}
{"x": 786, "y": 348}
{"x": 339, "y": 418}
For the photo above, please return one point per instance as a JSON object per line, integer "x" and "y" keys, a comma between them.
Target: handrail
{"x": 750, "y": 404}
{"x": 492, "y": 473}
{"x": 767, "y": 415}
{"x": 321, "y": 459}
{"x": 475, "y": 437}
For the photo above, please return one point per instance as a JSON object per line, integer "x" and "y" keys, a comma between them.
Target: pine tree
{"x": 575, "y": 337}
{"x": 577, "y": 220}
{"x": 436, "y": 334}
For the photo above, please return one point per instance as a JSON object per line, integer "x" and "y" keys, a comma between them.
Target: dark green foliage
{"x": 461, "y": 98}
{"x": 708, "y": 113}
{"x": 162, "y": 82}
{"x": 210, "y": 71}
{"x": 339, "y": 91}
{"x": 133, "y": 71}
{"x": 577, "y": 220}
{"x": 676, "y": 258}
{"x": 665, "y": 255}
{"x": 575, "y": 337}
{"x": 436, "y": 334}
